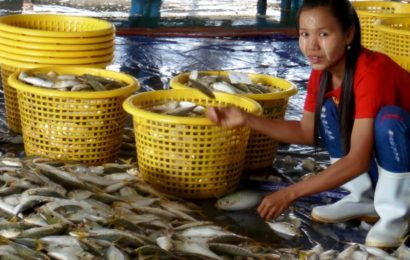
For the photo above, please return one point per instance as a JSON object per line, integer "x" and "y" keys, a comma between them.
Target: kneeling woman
{"x": 358, "y": 103}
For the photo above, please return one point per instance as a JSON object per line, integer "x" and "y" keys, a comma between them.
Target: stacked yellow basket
{"x": 185, "y": 156}
{"x": 395, "y": 39}
{"x": 35, "y": 40}
{"x": 370, "y": 12}
{"x": 261, "y": 149}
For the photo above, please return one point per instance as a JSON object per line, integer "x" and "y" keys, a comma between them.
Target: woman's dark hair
{"x": 346, "y": 16}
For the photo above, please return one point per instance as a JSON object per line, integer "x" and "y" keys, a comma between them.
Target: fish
{"x": 309, "y": 164}
{"x": 240, "y": 200}
{"x": 36, "y": 81}
{"x": 226, "y": 87}
{"x": 195, "y": 248}
{"x": 229, "y": 249}
{"x": 68, "y": 82}
{"x": 313, "y": 253}
{"x": 234, "y": 83}
{"x": 113, "y": 253}
{"x": 284, "y": 229}
{"x": 208, "y": 231}
{"x": 202, "y": 87}
{"x": 81, "y": 221}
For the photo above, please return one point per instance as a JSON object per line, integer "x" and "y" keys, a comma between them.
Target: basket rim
{"x": 57, "y": 54}
{"x": 106, "y": 27}
{"x": 27, "y": 65}
{"x": 58, "y": 40}
{"x": 55, "y": 45}
{"x": 383, "y": 25}
{"x": 57, "y": 61}
{"x": 378, "y": 3}
{"x": 290, "y": 91}
{"x": 130, "y": 108}
{"x": 133, "y": 84}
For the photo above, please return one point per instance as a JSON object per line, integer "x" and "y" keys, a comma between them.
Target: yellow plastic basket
{"x": 8, "y": 67}
{"x": 54, "y": 25}
{"x": 370, "y": 12}
{"x": 185, "y": 156}
{"x": 261, "y": 149}
{"x": 395, "y": 36}
{"x": 53, "y": 46}
{"x": 404, "y": 62}
{"x": 73, "y": 126}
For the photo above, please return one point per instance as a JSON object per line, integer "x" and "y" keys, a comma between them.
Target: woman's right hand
{"x": 227, "y": 116}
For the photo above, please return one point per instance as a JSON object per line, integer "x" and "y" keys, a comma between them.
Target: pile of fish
{"x": 69, "y": 82}
{"x": 289, "y": 226}
{"x": 234, "y": 83}
{"x": 179, "y": 108}
{"x": 51, "y": 210}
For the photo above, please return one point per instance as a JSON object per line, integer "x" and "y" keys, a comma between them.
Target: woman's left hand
{"x": 274, "y": 204}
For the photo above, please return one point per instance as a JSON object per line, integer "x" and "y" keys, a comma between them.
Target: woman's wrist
{"x": 247, "y": 119}
{"x": 293, "y": 192}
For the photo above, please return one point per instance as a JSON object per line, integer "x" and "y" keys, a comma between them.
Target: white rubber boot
{"x": 392, "y": 203}
{"x": 356, "y": 205}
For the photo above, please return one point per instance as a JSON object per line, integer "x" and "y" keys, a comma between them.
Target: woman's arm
{"x": 348, "y": 167}
{"x": 285, "y": 131}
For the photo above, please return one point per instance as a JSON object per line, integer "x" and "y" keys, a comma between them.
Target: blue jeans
{"x": 391, "y": 134}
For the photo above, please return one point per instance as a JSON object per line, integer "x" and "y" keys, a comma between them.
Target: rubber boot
{"x": 356, "y": 205}
{"x": 392, "y": 203}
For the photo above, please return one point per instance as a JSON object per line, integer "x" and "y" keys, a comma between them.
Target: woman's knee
{"x": 389, "y": 119}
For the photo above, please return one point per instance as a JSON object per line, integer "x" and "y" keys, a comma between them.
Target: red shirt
{"x": 378, "y": 82}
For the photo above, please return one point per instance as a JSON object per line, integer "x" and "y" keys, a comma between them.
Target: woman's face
{"x": 322, "y": 40}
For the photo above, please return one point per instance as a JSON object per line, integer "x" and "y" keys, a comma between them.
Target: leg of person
{"x": 358, "y": 204}
{"x": 392, "y": 195}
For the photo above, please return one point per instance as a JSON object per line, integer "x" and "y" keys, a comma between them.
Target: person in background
{"x": 358, "y": 105}
{"x": 146, "y": 8}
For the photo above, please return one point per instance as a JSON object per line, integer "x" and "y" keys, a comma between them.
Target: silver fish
{"x": 202, "y": 87}
{"x": 195, "y": 248}
{"x": 113, "y": 253}
{"x": 240, "y": 200}
{"x": 228, "y": 249}
{"x": 284, "y": 229}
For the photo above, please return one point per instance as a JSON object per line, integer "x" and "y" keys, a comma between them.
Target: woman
{"x": 358, "y": 103}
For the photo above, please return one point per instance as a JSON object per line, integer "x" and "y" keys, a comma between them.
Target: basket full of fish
{"x": 72, "y": 114}
{"x": 179, "y": 150}
{"x": 271, "y": 93}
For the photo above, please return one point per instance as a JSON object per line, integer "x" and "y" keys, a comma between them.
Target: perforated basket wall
{"x": 10, "y": 99}
{"x": 73, "y": 126}
{"x": 370, "y": 12}
{"x": 395, "y": 39}
{"x": 185, "y": 156}
{"x": 261, "y": 149}
{"x": 8, "y": 67}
